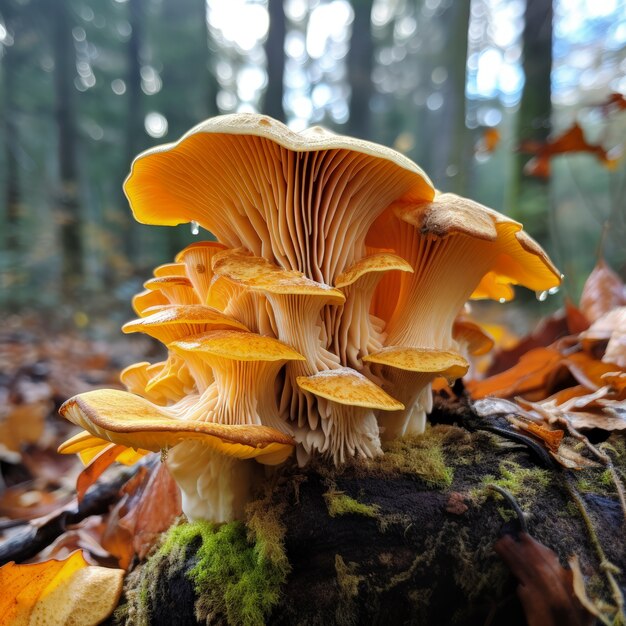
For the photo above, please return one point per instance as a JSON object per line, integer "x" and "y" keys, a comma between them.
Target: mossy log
{"x": 406, "y": 539}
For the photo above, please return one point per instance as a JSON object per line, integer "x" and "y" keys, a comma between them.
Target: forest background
{"x": 458, "y": 86}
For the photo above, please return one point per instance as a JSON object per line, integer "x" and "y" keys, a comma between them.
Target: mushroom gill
{"x": 317, "y": 320}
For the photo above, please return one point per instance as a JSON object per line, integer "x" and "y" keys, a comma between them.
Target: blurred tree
{"x": 360, "y": 64}
{"x": 452, "y": 141}
{"x": 529, "y": 197}
{"x": 12, "y": 61}
{"x": 275, "y": 55}
{"x": 67, "y": 201}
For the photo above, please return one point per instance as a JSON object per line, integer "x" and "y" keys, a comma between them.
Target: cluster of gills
{"x": 316, "y": 321}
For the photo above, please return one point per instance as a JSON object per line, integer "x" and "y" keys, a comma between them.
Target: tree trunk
{"x": 134, "y": 121}
{"x": 449, "y": 139}
{"x": 67, "y": 195}
{"x": 275, "y": 55}
{"x": 360, "y": 64}
{"x": 405, "y": 539}
{"x": 530, "y": 196}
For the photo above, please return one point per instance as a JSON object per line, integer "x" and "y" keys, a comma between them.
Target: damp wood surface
{"x": 405, "y": 539}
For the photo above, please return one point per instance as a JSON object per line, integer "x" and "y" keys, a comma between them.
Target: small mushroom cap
{"x": 180, "y": 314}
{"x": 129, "y": 420}
{"x": 478, "y": 341}
{"x": 170, "y": 269}
{"x": 347, "y": 386}
{"x": 257, "y": 273}
{"x": 425, "y": 360}
{"x": 147, "y": 299}
{"x": 167, "y": 281}
{"x": 237, "y": 346}
{"x": 87, "y": 446}
{"x": 158, "y": 186}
{"x": 380, "y": 262}
{"x": 199, "y": 247}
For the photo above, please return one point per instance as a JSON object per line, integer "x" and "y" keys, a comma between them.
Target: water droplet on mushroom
{"x": 195, "y": 227}
{"x": 541, "y": 295}
{"x": 554, "y": 290}
{"x": 502, "y": 300}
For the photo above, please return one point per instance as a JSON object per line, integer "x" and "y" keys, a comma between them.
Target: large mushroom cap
{"x": 164, "y": 189}
{"x": 126, "y": 419}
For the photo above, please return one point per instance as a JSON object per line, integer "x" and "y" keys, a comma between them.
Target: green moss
{"x": 522, "y": 483}
{"x": 237, "y": 574}
{"x": 420, "y": 455}
{"x": 348, "y": 582}
{"x": 339, "y": 503}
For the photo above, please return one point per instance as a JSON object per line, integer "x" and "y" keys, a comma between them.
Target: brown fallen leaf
{"x": 603, "y": 291}
{"x": 572, "y": 140}
{"x": 57, "y": 593}
{"x": 546, "y": 588}
{"x": 529, "y": 375}
{"x": 23, "y": 423}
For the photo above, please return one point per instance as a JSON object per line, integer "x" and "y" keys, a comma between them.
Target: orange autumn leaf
{"x": 96, "y": 467}
{"x": 530, "y": 374}
{"x": 56, "y": 593}
{"x": 572, "y": 140}
{"x": 603, "y": 291}
{"x": 150, "y": 504}
{"x": 489, "y": 141}
{"x": 615, "y": 102}
{"x": 551, "y": 437}
{"x": 587, "y": 370}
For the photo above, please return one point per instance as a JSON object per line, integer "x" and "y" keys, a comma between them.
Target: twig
{"x": 602, "y": 456}
{"x": 605, "y": 565}
{"x": 508, "y": 496}
{"x": 32, "y": 539}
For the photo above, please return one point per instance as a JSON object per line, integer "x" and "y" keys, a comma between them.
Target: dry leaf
{"x": 545, "y": 588}
{"x": 530, "y": 374}
{"x": 572, "y": 140}
{"x": 96, "y": 467}
{"x": 603, "y": 291}
{"x": 57, "y": 593}
{"x": 23, "y": 424}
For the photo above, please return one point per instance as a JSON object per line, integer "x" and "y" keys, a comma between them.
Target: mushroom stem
{"x": 213, "y": 486}
{"x": 446, "y": 272}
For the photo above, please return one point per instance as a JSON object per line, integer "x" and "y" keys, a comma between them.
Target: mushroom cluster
{"x": 317, "y": 320}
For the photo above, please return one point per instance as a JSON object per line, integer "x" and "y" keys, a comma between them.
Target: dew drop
{"x": 502, "y": 300}
{"x": 541, "y": 295}
{"x": 554, "y": 290}
{"x": 195, "y": 227}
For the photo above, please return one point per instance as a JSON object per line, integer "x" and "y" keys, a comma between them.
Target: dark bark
{"x": 423, "y": 553}
{"x": 360, "y": 63}
{"x": 67, "y": 194}
{"x": 275, "y": 55}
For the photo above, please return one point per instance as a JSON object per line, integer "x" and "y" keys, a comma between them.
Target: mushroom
{"x": 336, "y": 256}
{"x": 167, "y": 323}
{"x": 296, "y": 303}
{"x": 304, "y": 201}
{"x": 196, "y": 259}
{"x": 346, "y": 401}
{"x": 409, "y": 372}
{"x": 212, "y": 463}
{"x": 352, "y": 331}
